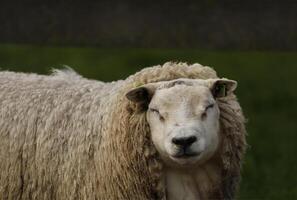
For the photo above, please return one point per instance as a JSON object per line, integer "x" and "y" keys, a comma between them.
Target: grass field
{"x": 267, "y": 92}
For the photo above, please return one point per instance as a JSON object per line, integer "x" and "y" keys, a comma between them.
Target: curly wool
{"x": 66, "y": 137}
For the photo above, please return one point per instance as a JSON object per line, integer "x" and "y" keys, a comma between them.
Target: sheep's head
{"x": 183, "y": 116}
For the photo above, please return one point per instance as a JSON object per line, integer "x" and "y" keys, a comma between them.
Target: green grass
{"x": 267, "y": 92}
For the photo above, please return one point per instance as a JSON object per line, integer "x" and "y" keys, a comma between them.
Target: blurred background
{"x": 253, "y": 42}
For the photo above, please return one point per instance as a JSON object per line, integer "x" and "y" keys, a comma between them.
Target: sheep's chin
{"x": 183, "y": 162}
{"x": 186, "y": 160}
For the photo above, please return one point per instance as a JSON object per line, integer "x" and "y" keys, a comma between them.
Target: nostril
{"x": 176, "y": 141}
{"x": 191, "y": 140}
{"x": 184, "y": 141}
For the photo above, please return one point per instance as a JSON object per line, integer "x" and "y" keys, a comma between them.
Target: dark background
{"x": 211, "y": 24}
{"x": 253, "y": 42}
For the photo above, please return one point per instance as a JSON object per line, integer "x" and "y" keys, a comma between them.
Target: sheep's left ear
{"x": 222, "y": 87}
{"x": 141, "y": 95}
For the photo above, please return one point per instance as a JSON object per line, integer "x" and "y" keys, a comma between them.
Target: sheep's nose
{"x": 184, "y": 141}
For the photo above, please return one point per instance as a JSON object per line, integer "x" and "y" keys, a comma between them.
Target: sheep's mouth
{"x": 185, "y": 154}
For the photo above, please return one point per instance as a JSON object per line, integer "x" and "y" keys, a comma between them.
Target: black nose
{"x": 184, "y": 141}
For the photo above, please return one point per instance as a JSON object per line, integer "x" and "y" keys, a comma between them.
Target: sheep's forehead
{"x": 188, "y": 96}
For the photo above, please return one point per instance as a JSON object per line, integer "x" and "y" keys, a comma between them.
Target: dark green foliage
{"x": 267, "y": 92}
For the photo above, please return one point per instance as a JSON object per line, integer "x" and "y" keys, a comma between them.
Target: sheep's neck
{"x": 190, "y": 184}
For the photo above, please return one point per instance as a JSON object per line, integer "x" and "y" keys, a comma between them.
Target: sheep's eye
{"x": 209, "y": 106}
{"x": 158, "y": 113}
{"x": 204, "y": 114}
{"x": 155, "y": 110}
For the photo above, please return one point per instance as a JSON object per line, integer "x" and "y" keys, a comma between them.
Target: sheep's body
{"x": 48, "y": 135}
{"x": 66, "y": 137}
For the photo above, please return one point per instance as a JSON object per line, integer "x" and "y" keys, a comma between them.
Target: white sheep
{"x": 167, "y": 132}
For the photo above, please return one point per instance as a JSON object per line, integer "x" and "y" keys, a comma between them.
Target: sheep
{"x": 67, "y": 137}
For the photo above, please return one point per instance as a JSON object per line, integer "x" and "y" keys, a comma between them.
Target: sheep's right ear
{"x": 222, "y": 87}
{"x": 142, "y": 95}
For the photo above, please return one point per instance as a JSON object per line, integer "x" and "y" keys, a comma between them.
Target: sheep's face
{"x": 184, "y": 123}
{"x": 184, "y": 117}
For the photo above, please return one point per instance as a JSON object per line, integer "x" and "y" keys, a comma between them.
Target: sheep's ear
{"x": 222, "y": 87}
{"x": 141, "y": 94}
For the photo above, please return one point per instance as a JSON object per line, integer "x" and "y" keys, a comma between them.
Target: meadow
{"x": 267, "y": 92}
